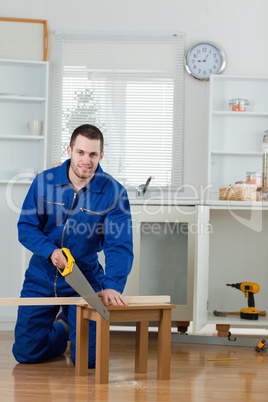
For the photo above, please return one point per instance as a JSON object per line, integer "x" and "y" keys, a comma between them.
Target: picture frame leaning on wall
{"x": 23, "y": 39}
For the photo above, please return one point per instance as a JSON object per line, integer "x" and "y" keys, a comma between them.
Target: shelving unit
{"x": 235, "y": 138}
{"x": 238, "y": 242}
{"x": 23, "y": 97}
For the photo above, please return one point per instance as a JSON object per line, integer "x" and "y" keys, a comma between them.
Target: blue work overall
{"x": 53, "y": 216}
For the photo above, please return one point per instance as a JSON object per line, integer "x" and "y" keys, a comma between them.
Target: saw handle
{"x": 70, "y": 259}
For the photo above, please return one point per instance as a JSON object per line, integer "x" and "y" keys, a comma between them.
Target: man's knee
{"x": 35, "y": 349}
{"x": 23, "y": 354}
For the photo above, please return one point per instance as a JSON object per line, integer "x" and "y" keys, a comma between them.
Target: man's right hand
{"x": 58, "y": 259}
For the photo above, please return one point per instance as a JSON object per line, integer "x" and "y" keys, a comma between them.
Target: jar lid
{"x": 238, "y": 101}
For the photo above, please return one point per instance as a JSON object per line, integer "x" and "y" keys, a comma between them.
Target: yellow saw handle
{"x": 67, "y": 270}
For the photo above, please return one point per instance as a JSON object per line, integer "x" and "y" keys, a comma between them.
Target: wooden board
{"x": 77, "y": 301}
{"x": 42, "y": 301}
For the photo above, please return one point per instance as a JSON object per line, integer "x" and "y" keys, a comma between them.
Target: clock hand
{"x": 203, "y": 61}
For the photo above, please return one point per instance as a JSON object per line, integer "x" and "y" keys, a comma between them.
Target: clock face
{"x": 204, "y": 59}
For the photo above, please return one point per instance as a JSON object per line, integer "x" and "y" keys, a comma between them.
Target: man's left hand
{"x": 112, "y": 296}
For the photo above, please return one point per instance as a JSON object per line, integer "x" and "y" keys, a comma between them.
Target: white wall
{"x": 240, "y": 27}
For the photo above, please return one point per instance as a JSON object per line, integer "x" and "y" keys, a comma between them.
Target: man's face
{"x": 85, "y": 156}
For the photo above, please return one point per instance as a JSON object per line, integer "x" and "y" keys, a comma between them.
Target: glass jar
{"x": 263, "y": 194}
{"x": 238, "y": 104}
{"x": 254, "y": 178}
{"x": 265, "y": 159}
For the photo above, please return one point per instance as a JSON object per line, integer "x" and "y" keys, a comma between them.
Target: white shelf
{"x": 247, "y": 205}
{"x": 23, "y": 62}
{"x": 18, "y": 98}
{"x": 16, "y": 182}
{"x": 22, "y": 137}
{"x": 236, "y": 78}
{"x": 236, "y": 153}
{"x": 224, "y": 113}
{"x": 235, "y": 320}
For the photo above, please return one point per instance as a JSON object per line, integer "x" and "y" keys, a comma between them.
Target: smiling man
{"x": 85, "y": 157}
{"x": 82, "y": 208}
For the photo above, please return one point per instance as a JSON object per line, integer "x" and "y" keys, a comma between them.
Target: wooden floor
{"x": 193, "y": 377}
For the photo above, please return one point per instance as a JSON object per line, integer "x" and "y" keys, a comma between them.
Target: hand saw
{"x": 76, "y": 279}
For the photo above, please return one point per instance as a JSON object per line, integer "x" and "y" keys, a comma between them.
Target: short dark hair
{"x": 89, "y": 131}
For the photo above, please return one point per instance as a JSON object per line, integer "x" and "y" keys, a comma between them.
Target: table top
{"x": 137, "y": 306}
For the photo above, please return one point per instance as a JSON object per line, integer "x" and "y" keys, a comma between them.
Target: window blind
{"x": 132, "y": 88}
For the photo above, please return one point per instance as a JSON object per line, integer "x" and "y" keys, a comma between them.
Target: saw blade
{"x": 80, "y": 284}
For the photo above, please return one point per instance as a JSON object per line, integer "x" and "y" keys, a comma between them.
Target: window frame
{"x": 176, "y": 183}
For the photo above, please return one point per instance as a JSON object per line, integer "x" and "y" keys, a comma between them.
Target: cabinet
{"x": 235, "y": 137}
{"x": 190, "y": 252}
{"x": 168, "y": 245}
{"x": 237, "y": 253}
{"x": 239, "y": 229}
{"x": 23, "y": 97}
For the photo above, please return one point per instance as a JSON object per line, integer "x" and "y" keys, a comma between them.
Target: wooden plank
{"x": 77, "y": 301}
{"x": 42, "y": 301}
{"x": 146, "y": 299}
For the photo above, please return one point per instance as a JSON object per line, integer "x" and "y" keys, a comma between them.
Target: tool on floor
{"x": 249, "y": 288}
{"x": 225, "y": 313}
{"x": 76, "y": 279}
{"x": 261, "y": 347}
{"x": 223, "y": 359}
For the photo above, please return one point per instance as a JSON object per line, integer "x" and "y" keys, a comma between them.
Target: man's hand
{"x": 113, "y": 296}
{"x": 58, "y": 259}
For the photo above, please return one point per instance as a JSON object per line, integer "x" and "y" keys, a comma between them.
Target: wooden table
{"x": 141, "y": 314}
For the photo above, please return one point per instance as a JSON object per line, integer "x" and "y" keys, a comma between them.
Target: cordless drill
{"x": 248, "y": 288}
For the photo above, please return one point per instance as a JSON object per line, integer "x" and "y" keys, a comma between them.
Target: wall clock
{"x": 204, "y": 59}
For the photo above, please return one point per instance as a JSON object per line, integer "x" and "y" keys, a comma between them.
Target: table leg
{"x": 102, "y": 351}
{"x": 82, "y": 335}
{"x": 141, "y": 353}
{"x": 223, "y": 330}
{"x": 164, "y": 346}
{"x": 182, "y": 326}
